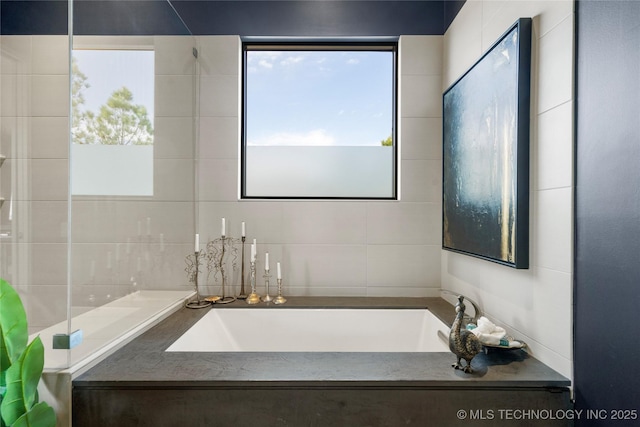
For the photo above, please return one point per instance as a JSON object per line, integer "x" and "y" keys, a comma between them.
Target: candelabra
{"x": 242, "y": 295}
{"x": 266, "y": 276}
{"x": 279, "y": 299}
{"x": 192, "y": 269}
{"x": 253, "y": 297}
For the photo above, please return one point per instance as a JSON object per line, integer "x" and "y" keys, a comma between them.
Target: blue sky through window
{"x": 319, "y": 98}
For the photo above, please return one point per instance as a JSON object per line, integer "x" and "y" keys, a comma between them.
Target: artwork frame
{"x": 486, "y": 122}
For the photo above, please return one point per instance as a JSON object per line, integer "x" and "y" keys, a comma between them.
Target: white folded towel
{"x": 490, "y": 334}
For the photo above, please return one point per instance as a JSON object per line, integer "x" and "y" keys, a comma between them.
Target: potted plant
{"x": 21, "y": 367}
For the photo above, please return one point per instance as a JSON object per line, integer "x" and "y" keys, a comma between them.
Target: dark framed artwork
{"x": 485, "y": 201}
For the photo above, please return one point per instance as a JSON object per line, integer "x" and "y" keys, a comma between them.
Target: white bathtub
{"x": 314, "y": 330}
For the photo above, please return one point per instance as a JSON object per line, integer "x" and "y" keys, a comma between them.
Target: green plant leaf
{"x": 13, "y": 328}
{"x": 41, "y": 415}
{"x": 1, "y": 420}
{"x": 2, "y": 392}
{"x": 22, "y": 382}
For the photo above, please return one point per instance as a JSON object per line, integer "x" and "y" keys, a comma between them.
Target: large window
{"x": 319, "y": 121}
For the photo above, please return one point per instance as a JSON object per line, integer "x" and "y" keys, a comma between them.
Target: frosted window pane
{"x": 319, "y": 172}
{"x": 319, "y": 123}
{"x": 112, "y": 170}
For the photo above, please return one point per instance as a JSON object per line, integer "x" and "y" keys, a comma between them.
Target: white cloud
{"x": 353, "y": 61}
{"x": 316, "y": 137}
{"x": 262, "y": 59}
{"x": 290, "y": 60}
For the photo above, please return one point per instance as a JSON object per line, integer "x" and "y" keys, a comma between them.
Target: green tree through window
{"x": 119, "y": 120}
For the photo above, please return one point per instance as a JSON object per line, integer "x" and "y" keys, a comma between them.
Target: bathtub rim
{"x": 143, "y": 362}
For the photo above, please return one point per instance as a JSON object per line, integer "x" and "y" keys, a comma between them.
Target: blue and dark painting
{"x": 479, "y": 156}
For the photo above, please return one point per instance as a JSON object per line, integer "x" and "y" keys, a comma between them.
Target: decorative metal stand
{"x": 279, "y": 299}
{"x": 216, "y": 252}
{"x": 193, "y": 267}
{"x": 242, "y": 295}
{"x": 253, "y": 298}
{"x": 266, "y": 276}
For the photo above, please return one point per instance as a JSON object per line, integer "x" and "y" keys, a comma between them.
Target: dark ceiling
{"x": 243, "y": 17}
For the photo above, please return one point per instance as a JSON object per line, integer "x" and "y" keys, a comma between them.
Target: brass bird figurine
{"x": 463, "y": 343}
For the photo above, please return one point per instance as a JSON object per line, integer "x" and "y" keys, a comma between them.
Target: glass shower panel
{"x": 33, "y": 173}
{"x": 109, "y": 260}
{"x": 132, "y": 180}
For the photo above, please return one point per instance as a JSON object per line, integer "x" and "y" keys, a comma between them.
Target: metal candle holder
{"x": 193, "y": 266}
{"x": 216, "y": 251}
{"x": 279, "y": 299}
{"x": 266, "y": 276}
{"x": 242, "y": 295}
{"x": 253, "y": 297}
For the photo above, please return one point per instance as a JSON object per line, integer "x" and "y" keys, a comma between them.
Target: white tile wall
{"x": 323, "y": 223}
{"x": 403, "y": 224}
{"x": 50, "y": 55}
{"x": 332, "y": 247}
{"x": 174, "y": 96}
{"x": 419, "y": 138}
{"x": 48, "y": 221}
{"x": 16, "y": 55}
{"x": 49, "y": 137}
{"x": 222, "y": 135}
{"x": 218, "y": 179}
{"x": 535, "y": 304}
{"x": 219, "y": 95}
{"x": 173, "y": 138}
{"x": 415, "y": 60}
{"x": 554, "y": 149}
{"x": 421, "y": 95}
{"x": 49, "y": 96}
{"x": 49, "y": 179}
{"x": 219, "y": 55}
{"x": 552, "y": 228}
{"x": 461, "y": 50}
{"x": 556, "y": 71}
{"x": 421, "y": 180}
{"x": 15, "y": 95}
{"x": 174, "y": 55}
{"x": 173, "y": 179}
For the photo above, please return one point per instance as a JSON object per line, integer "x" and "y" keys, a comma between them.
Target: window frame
{"x": 319, "y": 45}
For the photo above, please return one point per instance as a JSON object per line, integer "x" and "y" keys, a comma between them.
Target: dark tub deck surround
{"x": 143, "y": 385}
